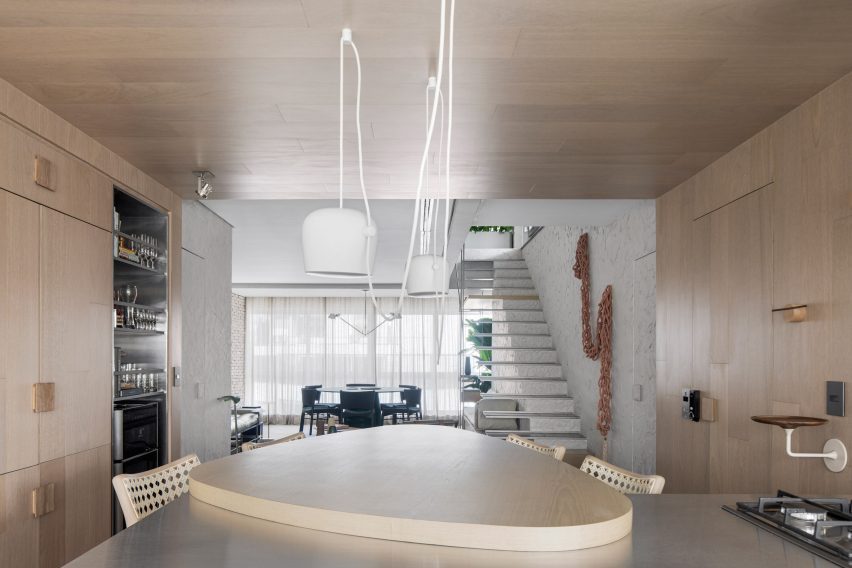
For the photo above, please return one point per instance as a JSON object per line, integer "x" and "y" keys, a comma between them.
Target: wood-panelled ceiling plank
{"x": 624, "y": 98}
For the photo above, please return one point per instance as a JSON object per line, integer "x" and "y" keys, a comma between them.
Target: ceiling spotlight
{"x": 204, "y": 188}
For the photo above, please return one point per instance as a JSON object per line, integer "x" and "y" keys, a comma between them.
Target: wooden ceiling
{"x": 554, "y": 98}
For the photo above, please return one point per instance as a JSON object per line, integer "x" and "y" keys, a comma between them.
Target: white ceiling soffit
{"x": 550, "y": 212}
{"x": 267, "y": 245}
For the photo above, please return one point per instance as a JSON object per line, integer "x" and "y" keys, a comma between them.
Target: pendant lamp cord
{"x": 425, "y": 156}
{"x": 370, "y": 228}
{"x": 447, "y": 180}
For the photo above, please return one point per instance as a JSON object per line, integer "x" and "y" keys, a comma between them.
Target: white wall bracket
{"x": 833, "y": 452}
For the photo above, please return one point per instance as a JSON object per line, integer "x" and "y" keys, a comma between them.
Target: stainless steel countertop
{"x": 668, "y": 531}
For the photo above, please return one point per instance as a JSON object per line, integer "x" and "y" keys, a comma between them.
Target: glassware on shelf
{"x": 129, "y": 293}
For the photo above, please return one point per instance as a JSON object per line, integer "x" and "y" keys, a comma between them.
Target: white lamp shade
{"x": 427, "y": 277}
{"x": 335, "y": 243}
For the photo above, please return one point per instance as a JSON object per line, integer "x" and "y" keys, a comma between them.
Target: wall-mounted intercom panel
{"x": 691, "y": 405}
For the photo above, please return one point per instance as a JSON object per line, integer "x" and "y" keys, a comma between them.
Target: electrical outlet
{"x": 176, "y": 378}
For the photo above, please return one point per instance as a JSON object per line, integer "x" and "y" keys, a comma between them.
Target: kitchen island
{"x": 668, "y": 531}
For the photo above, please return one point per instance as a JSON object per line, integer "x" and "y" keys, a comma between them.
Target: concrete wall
{"x": 622, "y": 254}
{"x": 238, "y": 345}
{"x": 206, "y": 339}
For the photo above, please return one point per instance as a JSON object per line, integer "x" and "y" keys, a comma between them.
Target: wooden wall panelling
{"x": 739, "y": 172}
{"x": 76, "y": 300}
{"x": 33, "y": 116}
{"x": 840, "y": 358}
{"x": 717, "y": 459}
{"x": 809, "y": 208}
{"x": 88, "y": 500}
{"x": 77, "y": 189}
{"x": 52, "y": 526}
{"x": 19, "y": 331}
{"x": 744, "y": 228}
{"x": 786, "y": 472}
{"x": 18, "y": 528}
{"x": 802, "y": 269}
{"x": 682, "y": 453}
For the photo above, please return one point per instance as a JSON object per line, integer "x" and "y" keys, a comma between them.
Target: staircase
{"x": 495, "y": 283}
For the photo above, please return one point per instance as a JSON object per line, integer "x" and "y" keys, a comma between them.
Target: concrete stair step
{"x": 526, "y": 396}
{"x": 529, "y": 414}
{"x": 519, "y": 363}
{"x": 519, "y": 327}
{"x": 510, "y": 263}
{"x": 498, "y": 379}
{"x": 509, "y": 298}
{"x": 502, "y": 310}
{"x": 498, "y": 348}
{"x": 491, "y": 303}
{"x": 510, "y": 335}
{"x": 485, "y": 254}
{"x": 533, "y": 341}
{"x": 537, "y": 402}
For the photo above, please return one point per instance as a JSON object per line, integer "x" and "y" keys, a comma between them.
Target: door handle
{"x": 43, "y": 500}
{"x": 44, "y": 397}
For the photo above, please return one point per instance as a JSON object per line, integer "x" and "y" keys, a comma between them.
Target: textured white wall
{"x": 206, "y": 332}
{"x": 238, "y": 345}
{"x": 622, "y": 254}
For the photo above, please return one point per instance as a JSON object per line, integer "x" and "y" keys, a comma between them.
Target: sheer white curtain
{"x": 285, "y": 350}
{"x": 290, "y": 342}
{"x": 407, "y": 352}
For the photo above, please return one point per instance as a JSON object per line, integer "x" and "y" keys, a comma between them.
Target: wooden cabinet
{"x": 76, "y": 519}
{"x": 76, "y": 334}
{"x": 19, "y": 331}
{"x": 19, "y": 533}
{"x": 59, "y": 181}
{"x": 55, "y": 327}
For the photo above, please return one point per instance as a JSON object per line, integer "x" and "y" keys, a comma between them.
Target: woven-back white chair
{"x": 140, "y": 494}
{"x": 249, "y": 446}
{"x": 621, "y": 479}
{"x": 557, "y": 452}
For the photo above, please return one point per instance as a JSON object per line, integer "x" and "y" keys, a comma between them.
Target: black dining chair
{"x": 359, "y": 408}
{"x": 393, "y": 409}
{"x": 313, "y": 407}
{"x": 411, "y": 399}
{"x": 409, "y": 387}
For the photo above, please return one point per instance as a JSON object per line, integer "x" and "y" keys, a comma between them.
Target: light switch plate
{"x": 835, "y": 398}
{"x": 176, "y": 379}
{"x": 637, "y": 393}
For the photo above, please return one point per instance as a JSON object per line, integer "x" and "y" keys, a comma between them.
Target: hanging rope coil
{"x": 602, "y": 349}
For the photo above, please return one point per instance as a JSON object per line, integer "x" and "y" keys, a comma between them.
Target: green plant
{"x": 476, "y": 331}
{"x": 487, "y": 229}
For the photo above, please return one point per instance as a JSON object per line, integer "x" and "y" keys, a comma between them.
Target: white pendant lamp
{"x": 339, "y": 242}
{"x": 429, "y": 277}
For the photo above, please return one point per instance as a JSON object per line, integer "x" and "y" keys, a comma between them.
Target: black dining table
{"x": 377, "y": 390}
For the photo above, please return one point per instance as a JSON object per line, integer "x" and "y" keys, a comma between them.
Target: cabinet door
{"x": 76, "y": 334}
{"x": 18, "y": 527}
{"x": 83, "y": 506}
{"x": 19, "y": 331}
{"x": 69, "y": 184}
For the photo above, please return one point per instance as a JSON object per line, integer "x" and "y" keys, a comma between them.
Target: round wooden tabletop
{"x": 790, "y": 422}
{"x": 424, "y": 484}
